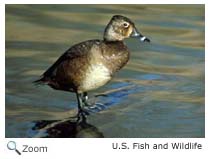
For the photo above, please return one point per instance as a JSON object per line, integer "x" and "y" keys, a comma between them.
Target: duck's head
{"x": 120, "y": 28}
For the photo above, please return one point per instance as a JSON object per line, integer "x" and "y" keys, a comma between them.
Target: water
{"x": 160, "y": 92}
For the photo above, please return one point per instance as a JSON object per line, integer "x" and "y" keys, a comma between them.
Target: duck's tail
{"x": 40, "y": 81}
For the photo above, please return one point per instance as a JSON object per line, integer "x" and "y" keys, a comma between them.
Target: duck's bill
{"x": 136, "y": 34}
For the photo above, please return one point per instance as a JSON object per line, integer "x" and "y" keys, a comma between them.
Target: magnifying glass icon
{"x": 11, "y": 145}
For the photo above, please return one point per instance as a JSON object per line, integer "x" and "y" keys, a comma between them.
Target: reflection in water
{"x": 70, "y": 128}
{"x": 78, "y": 127}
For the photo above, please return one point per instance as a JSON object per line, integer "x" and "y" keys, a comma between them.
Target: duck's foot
{"x": 96, "y": 107}
{"x": 91, "y": 107}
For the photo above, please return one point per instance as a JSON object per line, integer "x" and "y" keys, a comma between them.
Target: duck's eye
{"x": 125, "y": 24}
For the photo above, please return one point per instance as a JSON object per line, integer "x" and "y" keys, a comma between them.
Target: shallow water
{"x": 159, "y": 93}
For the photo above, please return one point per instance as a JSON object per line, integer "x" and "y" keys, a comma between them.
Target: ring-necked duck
{"x": 91, "y": 64}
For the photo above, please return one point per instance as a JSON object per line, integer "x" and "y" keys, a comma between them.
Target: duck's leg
{"x": 85, "y": 99}
{"x": 81, "y": 111}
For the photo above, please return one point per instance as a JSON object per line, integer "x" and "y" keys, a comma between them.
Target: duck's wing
{"x": 75, "y": 51}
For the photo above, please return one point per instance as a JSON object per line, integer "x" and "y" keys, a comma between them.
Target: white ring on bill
{"x": 143, "y": 38}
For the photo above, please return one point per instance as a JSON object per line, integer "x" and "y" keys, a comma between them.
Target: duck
{"x": 91, "y": 64}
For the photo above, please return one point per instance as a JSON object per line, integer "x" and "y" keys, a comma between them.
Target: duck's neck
{"x": 112, "y": 38}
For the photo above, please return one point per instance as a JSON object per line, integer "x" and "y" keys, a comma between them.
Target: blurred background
{"x": 159, "y": 93}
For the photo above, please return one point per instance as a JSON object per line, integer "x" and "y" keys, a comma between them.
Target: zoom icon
{"x": 11, "y": 145}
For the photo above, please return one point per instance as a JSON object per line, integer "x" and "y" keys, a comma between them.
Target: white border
{"x": 100, "y": 148}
